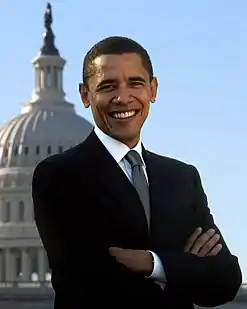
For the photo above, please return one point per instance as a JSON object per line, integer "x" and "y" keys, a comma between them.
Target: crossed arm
{"x": 205, "y": 278}
{"x": 206, "y": 272}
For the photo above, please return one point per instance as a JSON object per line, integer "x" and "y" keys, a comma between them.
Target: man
{"x": 123, "y": 226}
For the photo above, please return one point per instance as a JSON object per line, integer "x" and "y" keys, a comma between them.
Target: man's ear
{"x": 84, "y": 95}
{"x": 154, "y": 89}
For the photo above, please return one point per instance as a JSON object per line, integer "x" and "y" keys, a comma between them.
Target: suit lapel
{"x": 162, "y": 213}
{"x": 116, "y": 184}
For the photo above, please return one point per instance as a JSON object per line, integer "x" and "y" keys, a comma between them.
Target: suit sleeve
{"x": 207, "y": 281}
{"x": 81, "y": 265}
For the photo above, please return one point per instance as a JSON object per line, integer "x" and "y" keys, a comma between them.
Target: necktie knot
{"x": 134, "y": 158}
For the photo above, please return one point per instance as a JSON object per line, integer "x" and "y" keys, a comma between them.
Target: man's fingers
{"x": 201, "y": 241}
{"x": 114, "y": 251}
{"x": 215, "y": 250}
{"x": 209, "y": 245}
{"x": 192, "y": 239}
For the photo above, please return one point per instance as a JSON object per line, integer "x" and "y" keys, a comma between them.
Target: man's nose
{"x": 123, "y": 95}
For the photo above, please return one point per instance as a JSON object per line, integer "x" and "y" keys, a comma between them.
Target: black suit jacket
{"x": 84, "y": 203}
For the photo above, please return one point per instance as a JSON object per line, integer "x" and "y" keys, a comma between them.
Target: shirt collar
{"x": 117, "y": 149}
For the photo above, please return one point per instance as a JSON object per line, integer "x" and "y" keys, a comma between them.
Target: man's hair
{"x": 115, "y": 45}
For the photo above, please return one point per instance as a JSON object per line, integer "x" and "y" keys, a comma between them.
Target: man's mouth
{"x": 124, "y": 114}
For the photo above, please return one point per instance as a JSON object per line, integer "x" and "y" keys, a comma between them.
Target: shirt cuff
{"x": 158, "y": 273}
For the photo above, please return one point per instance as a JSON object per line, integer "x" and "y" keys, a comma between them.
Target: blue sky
{"x": 199, "y": 53}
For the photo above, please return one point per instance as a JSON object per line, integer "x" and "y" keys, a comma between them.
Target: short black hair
{"x": 115, "y": 45}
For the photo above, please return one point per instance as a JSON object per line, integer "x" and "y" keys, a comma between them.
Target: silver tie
{"x": 139, "y": 180}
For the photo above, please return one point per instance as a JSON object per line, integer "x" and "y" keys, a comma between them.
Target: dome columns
{"x": 48, "y": 79}
{"x": 17, "y": 265}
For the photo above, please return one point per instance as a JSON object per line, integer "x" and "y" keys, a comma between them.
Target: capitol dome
{"x": 38, "y": 133}
{"x": 47, "y": 125}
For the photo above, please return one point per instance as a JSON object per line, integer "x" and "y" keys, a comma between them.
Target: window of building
{"x": 18, "y": 266}
{"x": 37, "y": 150}
{"x": 16, "y": 151}
{"x": 34, "y": 259}
{"x": 7, "y": 212}
{"x": 6, "y": 151}
{"x": 21, "y": 211}
{"x": 49, "y": 149}
{"x": 56, "y": 72}
{"x": 48, "y": 77}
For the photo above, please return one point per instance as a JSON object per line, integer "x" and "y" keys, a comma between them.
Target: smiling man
{"x": 119, "y": 92}
{"x": 123, "y": 226}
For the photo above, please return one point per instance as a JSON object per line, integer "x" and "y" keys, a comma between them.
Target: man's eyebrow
{"x": 137, "y": 79}
{"x": 114, "y": 81}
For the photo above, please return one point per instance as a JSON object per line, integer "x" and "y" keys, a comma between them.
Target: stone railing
{"x": 25, "y": 285}
{"x": 23, "y": 295}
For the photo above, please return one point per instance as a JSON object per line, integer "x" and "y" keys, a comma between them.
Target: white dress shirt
{"x": 118, "y": 151}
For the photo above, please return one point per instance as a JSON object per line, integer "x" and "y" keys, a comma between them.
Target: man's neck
{"x": 116, "y": 148}
{"x": 130, "y": 144}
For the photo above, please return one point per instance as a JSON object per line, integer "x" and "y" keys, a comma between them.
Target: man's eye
{"x": 106, "y": 87}
{"x": 136, "y": 83}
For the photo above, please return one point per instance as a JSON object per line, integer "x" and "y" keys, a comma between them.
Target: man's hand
{"x": 139, "y": 261}
{"x": 203, "y": 244}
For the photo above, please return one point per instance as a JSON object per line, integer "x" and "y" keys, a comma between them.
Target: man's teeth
{"x": 123, "y": 115}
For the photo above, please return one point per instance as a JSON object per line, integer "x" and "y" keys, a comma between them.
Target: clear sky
{"x": 199, "y": 53}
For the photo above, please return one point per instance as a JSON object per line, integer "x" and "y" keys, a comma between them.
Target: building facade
{"x": 47, "y": 124}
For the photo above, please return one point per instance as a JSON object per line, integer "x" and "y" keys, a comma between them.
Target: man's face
{"x": 119, "y": 93}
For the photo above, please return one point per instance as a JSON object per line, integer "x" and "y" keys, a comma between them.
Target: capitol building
{"x": 46, "y": 125}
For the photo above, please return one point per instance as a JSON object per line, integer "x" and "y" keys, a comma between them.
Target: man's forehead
{"x": 113, "y": 61}
{"x": 107, "y": 64}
